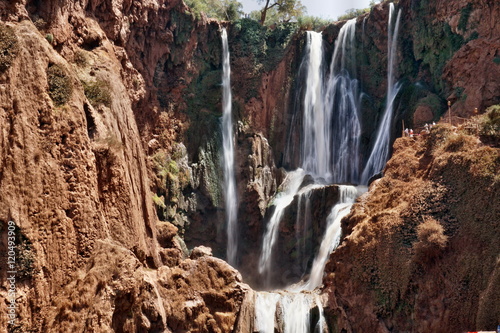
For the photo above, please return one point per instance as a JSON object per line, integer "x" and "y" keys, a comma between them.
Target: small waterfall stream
{"x": 331, "y": 239}
{"x": 292, "y": 184}
{"x": 380, "y": 151}
{"x": 295, "y": 303}
{"x": 231, "y": 201}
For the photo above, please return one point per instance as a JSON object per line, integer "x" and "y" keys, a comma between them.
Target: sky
{"x": 327, "y": 9}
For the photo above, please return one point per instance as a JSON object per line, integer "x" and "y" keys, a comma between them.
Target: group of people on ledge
{"x": 425, "y": 130}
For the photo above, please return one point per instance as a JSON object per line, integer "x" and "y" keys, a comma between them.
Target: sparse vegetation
{"x": 159, "y": 201}
{"x": 8, "y": 47}
{"x": 464, "y": 17}
{"x": 282, "y": 10}
{"x": 490, "y": 121}
{"x": 60, "y": 87}
{"x": 489, "y": 125}
{"x": 80, "y": 58}
{"x": 353, "y": 12}
{"x": 113, "y": 142}
{"x": 172, "y": 177}
{"x": 98, "y": 92}
{"x": 40, "y": 24}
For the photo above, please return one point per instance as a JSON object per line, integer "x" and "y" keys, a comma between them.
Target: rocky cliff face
{"x": 420, "y": 248}
{"x": 80, "y": 95}
{"x": 451, "y": 47}
{"x": 110, "y": 140}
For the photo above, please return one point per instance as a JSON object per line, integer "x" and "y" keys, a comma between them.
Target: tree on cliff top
{"x": 286, "y": 9}
{"x": 229, "y": 10}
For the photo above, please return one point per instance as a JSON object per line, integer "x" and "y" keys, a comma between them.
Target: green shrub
{"x": 60, "y": 88}
{"x": 49, "y": 38}
{"x": 312, "y": 22}
{"x": 229, "y": 10}
{"x": 98, "y": 92}
{"x": 8, "y": 47}
{"x": 159, "y": 201}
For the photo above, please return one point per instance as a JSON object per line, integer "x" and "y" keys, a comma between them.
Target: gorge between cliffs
{"x": 161, "y": 171}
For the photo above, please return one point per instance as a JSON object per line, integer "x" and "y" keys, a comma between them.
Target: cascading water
{"x": 231, "y": 202}
{"x": 315, "y": 152}
{"x": 331, "y": 239}
{"x": 292, "y": 184}
{"x": 330, "y": 152}
{"x": 343, "y": 102}
{"x": 330, "y": 126}
{"x": 320, "y": 116}
{"x": 315, "y": 128}
{"x": 380, "y": 151}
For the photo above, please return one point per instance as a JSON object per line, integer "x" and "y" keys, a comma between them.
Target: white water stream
{"x": 231, "y": 200}
{"x": 380, "y": 151}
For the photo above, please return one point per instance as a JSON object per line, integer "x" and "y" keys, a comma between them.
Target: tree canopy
{"x": 229, "y": 10}
{"x": 285, "y": 10}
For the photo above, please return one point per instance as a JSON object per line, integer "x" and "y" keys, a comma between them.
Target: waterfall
{"x": 315, "y": 129}
{"x": 343, "y": 102}
{"x": 265, "y": 311}
{"x": 330, "y": 127}
{"x": 283, "y": 199}
{"x": 380, "y": 151}
{"x": 315, "y": 144}
{"x": 231, "y": 202}
{"x": 330, "y": 152}
{"x": 293, "y": 308}
{"x": 331, "y": 239}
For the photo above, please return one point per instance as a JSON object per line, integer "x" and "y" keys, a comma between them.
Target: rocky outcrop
{"x": 71, "y": 174}
{"x": 422, "y": 243}
{"x": 114, "y": 292}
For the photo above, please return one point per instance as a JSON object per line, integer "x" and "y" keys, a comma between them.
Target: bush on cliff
{"x": 489, "y": 125}
{"x": 60, "y": 88}
{"x": 98, "y": 92}
{"x": 431, "y": 241}
{"x": 8, "y": 47}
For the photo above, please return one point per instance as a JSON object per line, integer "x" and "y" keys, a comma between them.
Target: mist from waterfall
{"x": 230, "y": 195}
{"x": 380, "y": 151}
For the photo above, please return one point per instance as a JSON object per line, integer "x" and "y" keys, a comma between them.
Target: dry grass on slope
{"x": 422, "y": 244}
